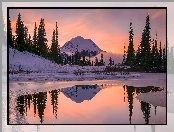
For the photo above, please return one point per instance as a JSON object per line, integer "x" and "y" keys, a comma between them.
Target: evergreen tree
{"x": 20, "y": 42}
{"x": 14, "y": 41}
{"x": 29, "y": 44}
{"x": 77, "y": 56}
{"x": 26, "y": 44}
{"x": 96, "y": 61}
{"x": 54, "y": 48}
{"x": 124, "y": 55}
{"x": 153, "y": 54}
{"x": 10, "y": 36}
{"x": 110, "y": 61}
{"x": 89, "y": 61}
{"x": 156, "y": 57}
{"x": 4, "y": 32}
{"x": 35, "y": 44}
{"x": 101, "y": 60}
{"x": 130, "y": 59}
{"x": 58, "y": 46}
{"x": 138, "y": 57}
{"x": 160, "y": 59}
{"x": 145, "y": 47}
{"x": 42, "y": 40}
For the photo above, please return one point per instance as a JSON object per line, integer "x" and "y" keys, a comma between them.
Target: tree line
{"x": 149, "y": 56}
{"x": 37, "y": 44}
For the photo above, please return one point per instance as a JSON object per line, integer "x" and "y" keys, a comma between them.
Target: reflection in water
{"x": 54, "y": 100}
{"x": 145, "y": 107}
{"x": 39, "y": 102}
{"x": 78, "y": 94}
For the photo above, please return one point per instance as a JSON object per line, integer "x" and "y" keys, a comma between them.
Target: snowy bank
{"x": 154, "y": 98}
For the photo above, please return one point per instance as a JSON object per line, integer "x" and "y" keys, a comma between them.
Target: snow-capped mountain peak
{"x": 82, "y": 45}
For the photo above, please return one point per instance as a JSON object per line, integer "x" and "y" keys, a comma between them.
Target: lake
{"x": 83, "y": 102}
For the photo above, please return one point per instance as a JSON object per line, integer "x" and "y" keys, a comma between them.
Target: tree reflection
{"x": 130, "y": 92}
{"x": 54, "y": 100}
{"x": 41, "y": 104}
{"x": 145, "y": 107}
{"x": 20, "y": 104}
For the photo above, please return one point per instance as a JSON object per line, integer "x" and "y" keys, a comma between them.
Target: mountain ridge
{"x": 83, "y": 45}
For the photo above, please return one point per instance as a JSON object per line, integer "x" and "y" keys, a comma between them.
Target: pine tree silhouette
{"x": 144, "y": 56}
{"x": 58, "y": 47}
{"x": 35, "y": 48}
{"x": 10, "y": 36}
{"x": 42, "y": 40}
{"x": 130, "y": 59}
{"x": 20, "y": 42}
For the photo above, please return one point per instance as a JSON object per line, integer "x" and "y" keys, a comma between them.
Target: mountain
{"x": 85, "y": 46}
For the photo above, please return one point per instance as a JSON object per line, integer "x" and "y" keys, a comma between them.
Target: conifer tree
{"x": 110, "y": 61}
{"x": 153, "y": 54}
{"x": 42, "y": 40}
{"x": 145, "y": 47}
{"x": 29, "y": 44}
{"x": 130, "y": 59}
{"x": 138, "y": 57}
{"x": 77, "y": 56}
{"x": 10, "y": 36}
{"x": 101, "y": 60}
{"x": 26, "y": 44}
{"x": 160, "y": 59}
{"x": 124, "y": 55}
{"x": 35, "y": 44}
{"x": 58, "y": 47}
{"x": 156, "y": 52}
{"x": 20, "y": 42}
{"x": 96, "y": 61}
{"x": 54, "y": 48}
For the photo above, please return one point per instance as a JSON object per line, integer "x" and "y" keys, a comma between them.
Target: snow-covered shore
{"x": 43, "y": 76}
{"x": 26, "y": 66}
{"x": 154, "y": 98}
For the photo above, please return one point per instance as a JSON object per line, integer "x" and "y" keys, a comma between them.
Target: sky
{"x": 108, "y": 28}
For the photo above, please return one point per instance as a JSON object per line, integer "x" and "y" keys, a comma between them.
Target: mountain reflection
{"x": 145, "y": 107}
{"x": 79, "y": 93}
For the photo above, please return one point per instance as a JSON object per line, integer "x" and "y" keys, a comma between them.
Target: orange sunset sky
{"x": 108, "y": 28}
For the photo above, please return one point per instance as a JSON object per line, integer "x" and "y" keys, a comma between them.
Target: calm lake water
{"x": 82, "y": 102}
